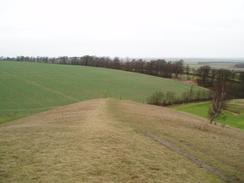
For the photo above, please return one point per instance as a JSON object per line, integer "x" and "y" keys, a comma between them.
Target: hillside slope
{"x": 107, "y": 140}
{"x": 27, "y": 88}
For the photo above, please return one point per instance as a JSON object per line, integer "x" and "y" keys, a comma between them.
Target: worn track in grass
{"x": 104, "y": 140}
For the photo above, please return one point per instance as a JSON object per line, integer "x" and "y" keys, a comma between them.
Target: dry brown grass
{"x": 221, "y": 148}
{"x": 104, "y": 141}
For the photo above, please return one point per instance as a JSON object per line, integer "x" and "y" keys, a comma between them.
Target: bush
{"x": 170, "y": 98}
{"x": 157, "y": 98}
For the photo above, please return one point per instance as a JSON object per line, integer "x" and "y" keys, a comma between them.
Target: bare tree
{"x": 220, "y": 95}
{"x": 204, "y": 73}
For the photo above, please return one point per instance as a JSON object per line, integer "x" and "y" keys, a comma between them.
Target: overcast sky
{"x": 125, "y": 28}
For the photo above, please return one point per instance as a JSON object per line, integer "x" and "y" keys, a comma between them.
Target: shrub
{"x": 157, "y": 98}
{"x": 170, "y": 98}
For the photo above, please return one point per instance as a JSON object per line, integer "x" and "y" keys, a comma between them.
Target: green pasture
{"x": 27, "y": 88}
{"x": 232, "y": 116}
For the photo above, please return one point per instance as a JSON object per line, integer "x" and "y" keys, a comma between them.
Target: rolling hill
{"x": 108, "y": 140}
{"x": 27, "y": 88}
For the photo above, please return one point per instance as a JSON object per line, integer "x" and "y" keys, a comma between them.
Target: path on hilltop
{"x": 86, "y": 142}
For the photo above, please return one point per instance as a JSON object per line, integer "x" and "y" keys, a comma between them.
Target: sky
{"x": 124, "y": 28}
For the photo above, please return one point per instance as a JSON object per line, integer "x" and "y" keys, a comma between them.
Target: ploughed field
{"x": 27, "y": 88}
{"x": 108, "y": 140}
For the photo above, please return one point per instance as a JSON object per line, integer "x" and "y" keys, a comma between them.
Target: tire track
{"x": 193, "y": 159}
{"x": 73, "y": 99}
{"x": 33, "y": 83}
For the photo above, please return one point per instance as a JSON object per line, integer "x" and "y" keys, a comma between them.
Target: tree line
{"x": 156, "y": 67}
{"x": 224, "y": 85}
{"x": 206, "y": 76}
{"x": 240, "y": 65}
{"x": 209, "y": 78}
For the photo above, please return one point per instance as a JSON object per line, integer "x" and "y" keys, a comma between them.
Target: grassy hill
{"x": 27, "y": 88}
{"x": 107, "y": 140}
{"x": 233, "y": 114}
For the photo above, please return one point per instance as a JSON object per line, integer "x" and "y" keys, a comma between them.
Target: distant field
{"x": 233, "y": 116}
{"x": 228, "y": 66}
{"x": 27, "y": 88}
{"x": 108, "y": 140}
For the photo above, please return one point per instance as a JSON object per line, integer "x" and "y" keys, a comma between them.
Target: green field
{"x": 233, "y": 115}
{"x": 27, "y": 88}
{"x": 217, "y": 64}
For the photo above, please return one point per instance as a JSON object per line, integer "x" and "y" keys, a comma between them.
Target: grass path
{"x": 107, "y": 140}
{"x": 221, "y": 149}
{"x": 85, "y": 142}
{"x": 194, "y": 159}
